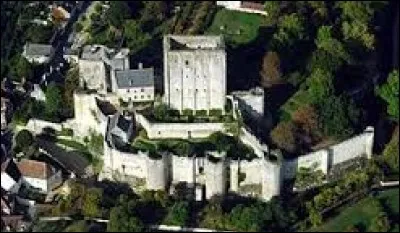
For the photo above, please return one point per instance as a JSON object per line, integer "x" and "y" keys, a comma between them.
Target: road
{"x": 60, "y": 42}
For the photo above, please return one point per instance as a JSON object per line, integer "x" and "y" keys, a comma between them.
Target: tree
{"x": 325, "y": 41}
{"x": 117, "y": 13}
{"x": 380, "y": 223}
{"x": 25, "y": 142}
{"x": 273, "y": 10}
{"x": 122, "y": 220}
{"x": 154, "y": 12}
{"x": 53, "y": 100}
{"x": 78, "y": 27}
{"x": 136, "y": 39}
{"x": 20, "y": 68}
{"x": 78, "y": 226}
{"x": 213, "y": 217}
{"x": 71, "y": 85}
{"x": 92, "y": 200}
{"x": 243, "y": 218}
{"x": 389, "y": 91}
{"x": 391, "y": 152}
{"x": 308, "y": 177}
{"x": 320, "y": 85}
{"x": 363, "y": 11}
{"x": 283, "y": 135}
{"x": 352, "y": 228}
{"x": 359, "y": 32}
{"x": 291, "y": 28}
{"x": 306, "y": 118}
{"x": 336, "y": 116}
{"x": 178, "y": 214}
{"x": 321, "y": 59}
{"x": 270, "y": 72}
{"x": 161, "y": 111}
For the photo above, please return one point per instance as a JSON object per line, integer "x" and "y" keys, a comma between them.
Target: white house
{"x": 39, "y": 53}
{"x": 134, "y": 85}
{"x": 39, "y": 175}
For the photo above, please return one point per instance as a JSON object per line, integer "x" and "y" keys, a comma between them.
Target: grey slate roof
{"x": 135, "y": 78}
{"x": 38, "y": 49}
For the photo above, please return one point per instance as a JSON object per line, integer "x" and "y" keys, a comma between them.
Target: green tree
{"x": 291, "y": 28}
{"x": 71, "y": 85}
{"x": 325, "y": 41}
{"x": 117, "y": 13}
{"x": 25, "y": 143}
{"x": 321, "y": 59}
{"x": 359, "y": 32}
{"x": 320, "y": 85}
{"x": 213, "y": 216}
{"x": 161, "y": 111}
{"x": 336, "y": 116}
{"x": 136, "y": 39}
{"x": 362, "y": 10}
{"x": 389, "y": 91}
{"x": 273, "y": 9}
{"x": 178, "y": 214}
{"x": 283, "y": 135}
{"x": 306, "y": 177}
{"x": 20, "y": 68}
{"x": 380, "y": 223}
{"x": 53, "y": 100}
{"x": 122, "y": 220}
{"x": 391, "y": 152}
{"x": 92, "y": 200}
{"x": 78, "y": 226}
{"x": 243, "y": 218}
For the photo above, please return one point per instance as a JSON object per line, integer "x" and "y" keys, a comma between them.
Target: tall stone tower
{"x": 194, "y": 72}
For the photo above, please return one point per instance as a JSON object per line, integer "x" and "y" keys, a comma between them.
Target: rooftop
{"x": 174, "y": 42}
{"x": 38, "y": 49}
{"x": 94, "y": 52}
{"x": 135, "y": 78}
{"x": 35, "y": 169}
{"x": 119, "y": 121}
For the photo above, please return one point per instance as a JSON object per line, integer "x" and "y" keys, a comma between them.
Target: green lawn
{"x": 232, "y": 22}
{"x": 362, "y": 213}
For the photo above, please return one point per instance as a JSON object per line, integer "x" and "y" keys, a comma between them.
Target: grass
{"x": 300, "y": 98}
{"x": 232, "y": 22}
{"x": 362, "y": 213}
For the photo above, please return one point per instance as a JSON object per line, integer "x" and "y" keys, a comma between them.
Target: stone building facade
{"x": 194, "y": 72}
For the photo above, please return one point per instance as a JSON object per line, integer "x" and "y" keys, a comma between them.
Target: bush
{"x": 187, "y": 112}
{"x": 201, "y": 113}
{"x": 215, "y": 112}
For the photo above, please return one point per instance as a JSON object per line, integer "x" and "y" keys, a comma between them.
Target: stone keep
{"x": 194, "y": 72}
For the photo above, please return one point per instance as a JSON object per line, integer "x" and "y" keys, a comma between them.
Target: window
{"x": 135, "y": 97}
{"x": 159, "y": 132}
{"x": 201, "y": 170}
{"x": 142, "y": 90}
{"x": 127, "y": 90}
{"x": 141, "y": 96}
{"x": 187, "y": 62}
{"x": 149, "y": 96}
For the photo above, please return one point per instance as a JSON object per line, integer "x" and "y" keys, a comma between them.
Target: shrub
{"x": 187, "y": 112}
{"x": 215, "y": 112}
{"x": 201, "y": 113}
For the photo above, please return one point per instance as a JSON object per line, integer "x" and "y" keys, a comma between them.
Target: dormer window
{"x": 187, "y": 62}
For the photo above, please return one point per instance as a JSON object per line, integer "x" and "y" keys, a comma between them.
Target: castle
{"x": 195, "y": 80}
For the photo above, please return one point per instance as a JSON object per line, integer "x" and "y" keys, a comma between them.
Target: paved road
{"x": 60, "y": 41}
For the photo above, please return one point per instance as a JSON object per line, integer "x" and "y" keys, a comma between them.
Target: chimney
{"x": 140, "y": 66}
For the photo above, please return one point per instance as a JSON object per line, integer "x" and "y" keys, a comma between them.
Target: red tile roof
{"x": 35, "y": 169}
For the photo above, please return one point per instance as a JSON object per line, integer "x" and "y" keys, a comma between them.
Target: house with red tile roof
{"x": 39, "y": 175}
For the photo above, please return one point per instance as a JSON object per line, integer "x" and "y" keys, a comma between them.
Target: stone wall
{"x": 178, "y": 130}
{"x": 92, "y": 74}
{"x": 249, "y": 139}
{"x": 215, "y": 178}
{"x": 357, "y": 146}
{"x": 183, "y": 169}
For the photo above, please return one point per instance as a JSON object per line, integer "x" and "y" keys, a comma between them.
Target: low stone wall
{"x": 36, "y": 126}
{"x": 357, "y": 146}
{"x": 249, "y": 139}
{"x": 178, "y": 130}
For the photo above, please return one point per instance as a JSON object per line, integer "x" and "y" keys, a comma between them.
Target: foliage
{"x": 306, "y": 118}
{"x": 178, "y": 214}
{"x": 380, "y": 223}
{"x": 283, "y": 135}
{"x": 320, "y": 85}
{"x": 71, "y": 85}
{"x": 390, "y": 93}
{"x": 154, "y": 13}
{"x": 26, "y": 143}
{"x": 246, "y": 218}
{"x": 391, "y": 152}
{"x": 95, "y": 143}
{"x": 92, "y": 201}
{"x": 20, "y": 68}
{"x": 291, "y": 28}
{"x": 78, "y": 226}
{"x": 201, "y": 113}
{"x": 358, "y": 31}
{"x": 53, "y": 100}
{"x": 273, "y": 10}
{"x": 308, "y": 177}
{"x": 323, "y": 60}
{"x": 325, "y": 41}
{"x": 336, "y": 115}
{"x": 213, "y": 217}
{"x": 123, "y": 220}
{"x": 270, "y": 71}
{"x": 161, "y": 111}
{"x": 135, "y": 38}
{"x": 187, "y": 112}
{"x": 362, "y": 11}
{"x": 117, "y": 13}
{"x": 215, "y": 112}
